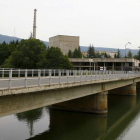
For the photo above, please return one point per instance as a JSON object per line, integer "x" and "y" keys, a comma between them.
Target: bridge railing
{"x": 27, "y": 78}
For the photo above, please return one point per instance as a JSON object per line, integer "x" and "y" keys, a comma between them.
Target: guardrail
{"x": 27, "y": 78}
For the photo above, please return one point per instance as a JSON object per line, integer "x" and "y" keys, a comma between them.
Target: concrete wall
{"x": 65, "y": 43}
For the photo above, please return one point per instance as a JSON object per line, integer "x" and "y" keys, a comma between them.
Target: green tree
{"x": 5, "y": 51}
{"x": 118, "y": 54}
{"x": 56, "y": 60}
{"x": 105, "y": 55}
{"x": 97, "y": 55}
{"x": 137, "y": 56}
{"x": 129, "y": 55}
{"x": 91, "y": 52}
{"x": 77, "y": 53}
{"x": 70, "y": 54}
{"x": 29, "y": 54}
{"x": 14, "y": 43}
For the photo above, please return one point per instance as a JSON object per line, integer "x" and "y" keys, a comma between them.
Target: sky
{"x": 103, "y": 23}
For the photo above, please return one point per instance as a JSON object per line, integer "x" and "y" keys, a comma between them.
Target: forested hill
{"x": 7, "y": 39}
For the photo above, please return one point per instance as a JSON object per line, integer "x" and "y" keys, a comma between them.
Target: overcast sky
{"x": 103, "y": 23}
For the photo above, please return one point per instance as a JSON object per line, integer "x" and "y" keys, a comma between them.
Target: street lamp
{"x": 125, "y": 48}
{"x": 125, "y": 53}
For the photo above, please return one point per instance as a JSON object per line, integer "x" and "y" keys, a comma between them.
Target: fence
{"x": 16, "y": 78}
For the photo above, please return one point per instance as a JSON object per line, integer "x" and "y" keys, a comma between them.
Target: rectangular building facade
{"x": 65, "y": 43}
{"x": 105, "y": 63}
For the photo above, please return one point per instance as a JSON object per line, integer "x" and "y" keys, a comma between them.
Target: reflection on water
{"x": 40, "y": 124}
{"x": 30, "y": 117}
{"x": 13, "y": 129}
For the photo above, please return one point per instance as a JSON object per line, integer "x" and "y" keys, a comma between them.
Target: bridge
{"x": 108, "y": 125}
{"x": 84, "y": 91}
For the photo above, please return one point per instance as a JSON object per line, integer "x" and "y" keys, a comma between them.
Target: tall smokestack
{"x": 34, "y": 25}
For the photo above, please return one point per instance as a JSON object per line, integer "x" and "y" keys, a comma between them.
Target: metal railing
{"x": 16, "y": 78}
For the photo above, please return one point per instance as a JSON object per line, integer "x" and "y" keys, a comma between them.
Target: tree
{"x": 56, "y": 60}
{"x": 97, "y": 55}
{"x": 5, "y": 51}
{"x": 137, "y": 56}
{"x": 77, "y": 53}
{"x": 129, "y": 55}
{"x": 70, "y": 54}
{"x": 105, "y": 55}
{"x": 118, "y": 54}
{"x": 14, "y": 43}
{"x": 29, "y": 54}
{"x": 17, "y": 42}
{"x": 91, "y": 52}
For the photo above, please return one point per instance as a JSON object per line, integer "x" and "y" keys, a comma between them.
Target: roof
{"x": 104, "y": 60}
{"x": 64, "y": 35}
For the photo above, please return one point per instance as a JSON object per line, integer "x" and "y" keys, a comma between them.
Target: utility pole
{"x": 125, "y": 54}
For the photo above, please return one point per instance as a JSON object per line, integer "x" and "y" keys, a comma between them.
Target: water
{"x": 121, "y": 123}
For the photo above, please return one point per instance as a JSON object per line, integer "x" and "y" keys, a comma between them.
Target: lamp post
{"x": 125, "y": 53}
{"x": 125, "y": 48}
{"x": 138, "y": 56}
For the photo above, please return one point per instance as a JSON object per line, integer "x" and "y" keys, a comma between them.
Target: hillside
{"x": 134, "y": 52}
{"x": 7, "y": 39}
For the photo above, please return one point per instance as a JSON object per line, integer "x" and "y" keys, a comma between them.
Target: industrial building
{"x": 105, "y": 63}
{"x": 65, "y": 43}
{"x": 111, "y": 54}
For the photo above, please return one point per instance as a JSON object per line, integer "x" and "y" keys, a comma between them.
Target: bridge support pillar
{"x": 96, "y": 103}
{"x": 126, "y": 90}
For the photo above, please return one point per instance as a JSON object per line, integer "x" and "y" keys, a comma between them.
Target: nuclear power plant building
{"x": 65, "y": 43}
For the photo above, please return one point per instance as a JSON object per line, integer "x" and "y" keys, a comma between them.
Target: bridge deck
{"x": 61, "y": 79}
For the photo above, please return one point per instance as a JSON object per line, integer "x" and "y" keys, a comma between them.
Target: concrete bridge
{"x": 103, "y": 124}
{"x": 84, "y": 91}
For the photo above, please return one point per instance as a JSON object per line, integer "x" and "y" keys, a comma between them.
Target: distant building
{"x": 105, "y": 63}
{"x": 112, "y": 54}
{"x": 65, "y": 43}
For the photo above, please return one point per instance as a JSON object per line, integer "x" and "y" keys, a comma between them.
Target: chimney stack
{"x": 34, "y": 25}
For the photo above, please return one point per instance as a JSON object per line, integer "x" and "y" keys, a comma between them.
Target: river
{"x": 121, "y": 123}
